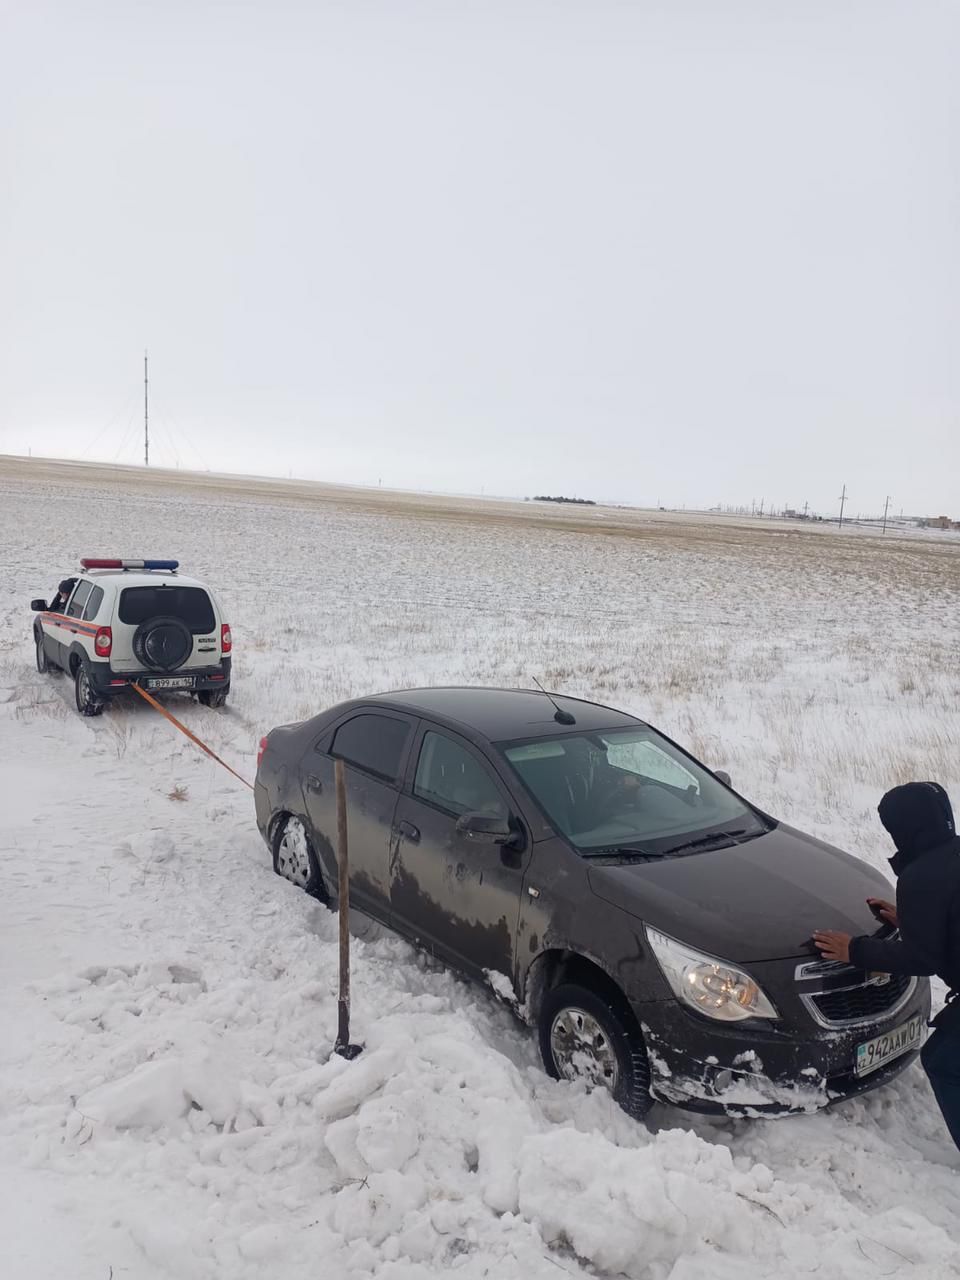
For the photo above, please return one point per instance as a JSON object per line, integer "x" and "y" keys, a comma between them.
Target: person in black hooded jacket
{"x": 919, "y": 818}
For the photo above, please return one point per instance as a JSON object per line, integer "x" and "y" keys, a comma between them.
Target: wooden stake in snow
{"x": 343, "y": 1046}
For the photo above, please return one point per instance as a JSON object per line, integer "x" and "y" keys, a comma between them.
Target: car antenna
{"x": 561, "y": 716}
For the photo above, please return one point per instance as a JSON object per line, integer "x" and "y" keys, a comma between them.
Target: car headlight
{"x": 710, "y": 986}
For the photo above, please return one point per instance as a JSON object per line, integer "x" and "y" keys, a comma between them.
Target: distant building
{"x": 939, "y": 522}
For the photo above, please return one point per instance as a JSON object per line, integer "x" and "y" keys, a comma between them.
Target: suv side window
{"x": 373, "y": 743}
{"x": 79, "y": 599}
{"x": 94, "y": 602}
{"x": 450, "y": 776}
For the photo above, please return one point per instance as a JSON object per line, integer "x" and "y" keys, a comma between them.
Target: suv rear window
{"x": 190, "y": 604}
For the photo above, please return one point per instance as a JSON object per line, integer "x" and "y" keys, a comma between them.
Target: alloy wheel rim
{"x": 84, "y": 689}
{"x": 293, "y": 859}
{"x": 582, "y": 1050}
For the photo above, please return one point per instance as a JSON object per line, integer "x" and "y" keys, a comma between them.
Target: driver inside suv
{"x": 59, "y": 601}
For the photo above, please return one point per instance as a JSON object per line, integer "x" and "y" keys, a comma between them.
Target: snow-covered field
{"x": 168, "y": 1103}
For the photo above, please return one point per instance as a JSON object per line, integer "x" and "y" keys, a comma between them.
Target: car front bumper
{"x": 107, "y": 683}
{"x": 750, "y": 1070}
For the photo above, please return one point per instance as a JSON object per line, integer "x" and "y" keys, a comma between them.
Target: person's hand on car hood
{"x": 833, "y": 945}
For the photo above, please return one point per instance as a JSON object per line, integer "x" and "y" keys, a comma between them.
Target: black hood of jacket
{"x": 918, "y": 817}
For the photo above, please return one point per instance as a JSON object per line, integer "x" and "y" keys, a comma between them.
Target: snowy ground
{"x": 168, "y": 1104}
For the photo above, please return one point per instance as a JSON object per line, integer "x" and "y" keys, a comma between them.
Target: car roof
{"x": 137, "y": 578}
{"x": 502, "y": 714}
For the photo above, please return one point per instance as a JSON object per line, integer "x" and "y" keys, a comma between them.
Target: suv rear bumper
{"x": 107, "y": 683}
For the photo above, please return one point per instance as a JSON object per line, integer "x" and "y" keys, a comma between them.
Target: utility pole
{"x": 146, "y": 416}
{"x": 806, "y": 506}
{"x": 762, "y": 500}
{"x": 843, "y": 500}
{"x": 886, "y": 508}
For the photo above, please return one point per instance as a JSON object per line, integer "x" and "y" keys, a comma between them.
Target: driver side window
{"x": 451, "y": 777}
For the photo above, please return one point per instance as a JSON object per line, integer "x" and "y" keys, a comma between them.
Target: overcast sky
{"x": 678, "y": 251}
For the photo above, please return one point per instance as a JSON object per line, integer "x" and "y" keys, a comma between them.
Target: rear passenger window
{"x": 78, "y": 600}
{"x": 93, "y": 604}
{"x": 373, "y": 743}
{"x": 190, "y": 604}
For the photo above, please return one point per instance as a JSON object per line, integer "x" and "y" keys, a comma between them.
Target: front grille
{"x": 864, "y": 1002}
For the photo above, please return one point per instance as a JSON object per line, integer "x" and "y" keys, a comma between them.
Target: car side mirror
{"x": 721, "y": 775}
{"x": 38, "y": 606}
{"x": 484, "y": 829}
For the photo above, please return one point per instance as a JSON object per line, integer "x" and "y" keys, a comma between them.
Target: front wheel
{"x": 88, "y": 704}
{"x": 294, "y": 858}
{"x": 213, "y": 697}
{"x": 591, "y": 1037}
{"x": 43, "y": 666}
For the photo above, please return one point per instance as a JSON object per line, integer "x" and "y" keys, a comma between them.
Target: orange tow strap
{"x": 192, "y": 736}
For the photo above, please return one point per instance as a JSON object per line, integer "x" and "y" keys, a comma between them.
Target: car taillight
{"x": 263, "y": 747}
{"x": 226, "y": 640}
{"x": 103, "y": 642}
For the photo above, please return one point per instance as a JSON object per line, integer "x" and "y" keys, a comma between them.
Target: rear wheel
{"x": 88, "y": 704}
{"x": 294, "y": 858}
{"x": 213, "y": 697}
{"x": 43, "y": 666}
{"x": 593, "y": 1037}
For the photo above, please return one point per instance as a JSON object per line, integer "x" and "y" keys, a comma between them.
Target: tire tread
{"x": 633, "y": 1092}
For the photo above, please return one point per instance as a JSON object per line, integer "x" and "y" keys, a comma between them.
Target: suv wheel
{"x": 88, "y": 704}
{"x": 591, "y": 1037}
{"x": 43, "y": 666}
{"x": 213, "y": 697}
{"x": 294, "y": 858}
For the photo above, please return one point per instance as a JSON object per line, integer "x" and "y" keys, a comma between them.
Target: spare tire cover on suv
{"x": 163, "y": 643}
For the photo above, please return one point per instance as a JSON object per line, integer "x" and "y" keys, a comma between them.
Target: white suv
{"x": 129, "y": 621}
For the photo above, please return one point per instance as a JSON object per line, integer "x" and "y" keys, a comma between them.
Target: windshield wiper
{"x": 701, "y": 842}
{"x": 732, "y": 837}
{"x": 620, "y": 851}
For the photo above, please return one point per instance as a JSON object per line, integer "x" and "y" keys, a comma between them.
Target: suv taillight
{"x": 226, "y": 640}
{"x": 263, "y": 747}
{"x": 103, "y": 642}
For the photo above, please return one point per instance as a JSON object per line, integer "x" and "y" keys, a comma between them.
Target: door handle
{"x": 407, "y": 829}
{"x": 313, "y": 783}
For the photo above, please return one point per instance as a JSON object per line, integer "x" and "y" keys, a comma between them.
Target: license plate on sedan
{"x": 875, "y": 1053}
{"x": 171, "y": 682}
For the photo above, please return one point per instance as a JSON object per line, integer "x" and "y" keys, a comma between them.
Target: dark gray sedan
{"x": 650, "y": 922}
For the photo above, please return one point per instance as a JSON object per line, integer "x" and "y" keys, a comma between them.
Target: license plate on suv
{"x": 171, "y": 682}
{"x": 882, "y": 1049}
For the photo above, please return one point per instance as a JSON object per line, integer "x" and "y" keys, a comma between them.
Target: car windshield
{"x": 630, "y": 790}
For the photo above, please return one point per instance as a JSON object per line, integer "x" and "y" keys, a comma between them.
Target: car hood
{"x": 756, "y": 901}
